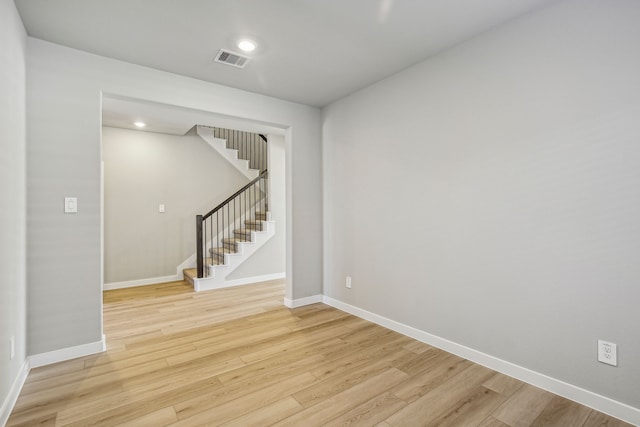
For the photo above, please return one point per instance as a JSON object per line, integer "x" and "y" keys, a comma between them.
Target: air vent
{"x": 231, "y": 58}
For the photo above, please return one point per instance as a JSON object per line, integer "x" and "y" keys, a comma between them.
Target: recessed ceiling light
{"x": 247, "y": 45}
{"x": 139, "y": 124}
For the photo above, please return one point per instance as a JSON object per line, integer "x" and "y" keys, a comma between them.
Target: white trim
{"x": 255, "y": 279}
{"x": 299, "y": 302}
{"x": 208, "y": 284}
{"x": 14, "y": 392}
{"x": 68, "y": 353}
{"x": 141, "y": 282}
{"x": 585, "y": 397}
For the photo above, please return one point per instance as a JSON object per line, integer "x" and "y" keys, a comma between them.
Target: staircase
{"x": 244, "y": 150}
{"x": 235, "y": 229}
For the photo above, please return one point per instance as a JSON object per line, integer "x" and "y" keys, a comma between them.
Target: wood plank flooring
{"x": 238, "y": 357}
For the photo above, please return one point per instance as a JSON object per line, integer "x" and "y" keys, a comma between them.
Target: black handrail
{"x": 263, "y": 175}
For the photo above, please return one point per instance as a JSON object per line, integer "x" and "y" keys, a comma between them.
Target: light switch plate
{"x": 70, "y": 205}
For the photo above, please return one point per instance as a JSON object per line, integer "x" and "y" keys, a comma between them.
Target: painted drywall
{"x": 143, "y": 170}
{"x": 64, "y": 88}
{"x": 13, "y": 190}
{"x": 270, "y": 259}
{"x": 513, "y": 159}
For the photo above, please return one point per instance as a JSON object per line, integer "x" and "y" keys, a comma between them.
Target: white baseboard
{"x": 141, "y": 282}
{"x": 43, "y": 359}
{"x": 14, "y": 392}
{"x": 209, "y": 283}
{"x": 255, "y": 279}
{"x": 585, "y": 397}
{"x": 295, "y": 303}
{"x": 68, "y": 353}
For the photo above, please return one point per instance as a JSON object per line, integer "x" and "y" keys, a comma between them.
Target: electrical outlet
{"x": 348, "y": 282}
{"x": 161, "y": 208}
{"x": 12, "y": 346}
{"x": 608, "y": 353}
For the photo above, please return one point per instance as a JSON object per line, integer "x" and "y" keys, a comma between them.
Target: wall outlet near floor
{"x": 608, "y": 353}
{"x": 12, "y": 346}
{"x": 348, "y": 282}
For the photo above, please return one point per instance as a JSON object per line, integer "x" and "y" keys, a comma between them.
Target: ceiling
{"x": 309, "y": 51}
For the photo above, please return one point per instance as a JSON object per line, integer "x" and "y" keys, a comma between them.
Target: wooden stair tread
{"x": 254, "y": 224}
{"x": 233, "y": 240}
{"x": 221, "y": 250}
{"x": 188, "y": 274}
{"x": 243, "y": 231}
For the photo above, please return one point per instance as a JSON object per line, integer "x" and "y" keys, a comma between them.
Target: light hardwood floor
{"x": 237, "y": 357}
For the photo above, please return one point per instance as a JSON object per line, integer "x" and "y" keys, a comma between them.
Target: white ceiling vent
{"x": 231, "y": 58}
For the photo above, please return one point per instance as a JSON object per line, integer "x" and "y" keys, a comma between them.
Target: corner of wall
{"x": 12, "y": 397}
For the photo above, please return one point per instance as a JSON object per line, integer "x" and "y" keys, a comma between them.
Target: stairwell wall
{"x": 142, "y": 170}
{"x": 13, "y": 283}
{"x": 513, "y": 160}
{"x": 64, "y": 157}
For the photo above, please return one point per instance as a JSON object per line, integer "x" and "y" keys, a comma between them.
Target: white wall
{"x": 142, "y": 170}
{"x": 13, "y": 192}
{"x": 270, "y": 259}
{"x": 63, "y": 112}
{"x": 514, "y": 159}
